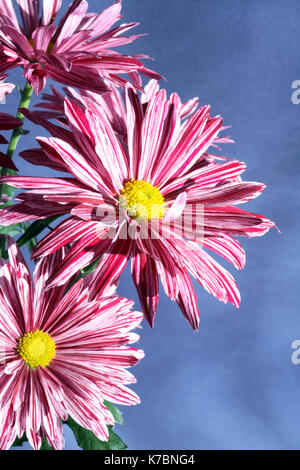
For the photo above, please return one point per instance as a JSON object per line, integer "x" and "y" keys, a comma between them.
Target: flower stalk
{"x": 26, "y": 95}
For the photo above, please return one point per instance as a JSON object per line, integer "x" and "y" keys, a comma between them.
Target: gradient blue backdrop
{"x": 232, "y": 385}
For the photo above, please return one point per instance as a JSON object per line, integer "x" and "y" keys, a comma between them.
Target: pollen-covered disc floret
{"x": 36, "y": 348}
{"x": 142, "y": 200}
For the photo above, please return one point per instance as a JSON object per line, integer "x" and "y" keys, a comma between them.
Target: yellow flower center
{"x": 142, "y": 200}
{"x": 36, "y": 348}
{"x": 49, "y": 49}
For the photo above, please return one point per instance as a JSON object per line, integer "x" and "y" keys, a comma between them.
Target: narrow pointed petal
{"x": 50, "y": 10}
{"x": 187, "y": 299}
{"x": 145, "y": 278}
{"x": 29, "y": 10}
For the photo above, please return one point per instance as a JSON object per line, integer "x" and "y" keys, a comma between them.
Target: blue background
{"x": 232, "y": 385}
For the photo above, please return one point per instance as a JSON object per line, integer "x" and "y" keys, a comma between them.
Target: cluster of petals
{"x": 7, "y": 122}
{"x": 91, "y": 357}
{"x": 158, "y": 140}
{"x": 79, "y": 51}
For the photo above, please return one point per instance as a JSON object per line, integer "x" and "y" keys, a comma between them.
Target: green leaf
{"x": 90, "y": 268}
{"x": 23, "y": 131}
{"x": 12, "y": 230}
{"x": 115, "y": 412}
{"x": 45, "y": 445}
{"x": 19, "y": 442}
{"x": 7, "y": 189}
{"x": 88, "y": 441}
{"x": 84, "y": 272}
{"x": 35, "y": 229}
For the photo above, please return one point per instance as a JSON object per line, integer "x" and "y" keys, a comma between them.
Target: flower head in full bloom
{"x": 146, "y": 187}
{"x": 7, "y": 122}
{"x": 61, "y": 354}
{"x": 78, "y": 51}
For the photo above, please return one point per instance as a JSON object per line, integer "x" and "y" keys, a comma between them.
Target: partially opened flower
{"x": 61, "y": 354}
{"x": 78, "y": 51}
{"x": 130, "y": 199}
{"x": 7, "y": 122}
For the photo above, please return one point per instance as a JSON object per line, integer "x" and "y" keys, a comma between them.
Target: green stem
{"x": 26, "y": 95}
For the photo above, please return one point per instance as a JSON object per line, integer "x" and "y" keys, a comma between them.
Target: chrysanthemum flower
{"x": 61, "y": 354}
{"x": 164, "y": 172}
{"x": 7, "y": 122}
{"x": 77, "y": 52}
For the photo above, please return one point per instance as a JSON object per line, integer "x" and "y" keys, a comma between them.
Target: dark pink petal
{"x": 17, "y": 41}
{"x": 90, "y": 81}
{"x": 5, "y": 89}
{"x": 39, "y": 157}
{"x": 165, "y": 266}
{"x": 200, "y": 146}
{"x": 235, "y": 221}
{"x": 188, "y": 108}
{"x": 77, "y": 164}
{"x": 70, "y": 22}
{"x": 58, "y": 61}
{"x": 72, "y": 43}
{"x": 87, "y": 249}
{"x": 104, "y": 21}
{"x": 231, "y": 193}
{"x": 62, "y": 185}
{"x": 151, "y": 132}
{"x": 145, "y": 279}
{"x": 205, "y": 177}
{"x": 80, "y": 127}
{"x": 30, "y": 15}
{"x": 227, "y": 247}
{"x": 41, "y": 38}
{"x": 176, "y": 154}
{"x": 36, "y": 75}
{"x": 7, "y": 162}
{"x": 109, "y": 150}
{"x": 134, "y": 126}
{"x": 7, "y": 9}
{"x": 105, "y": 213}
{"x": 150, "y": 90}
{"x": 24, "y": 282}
{"x": 9, "y": 122}
{"x": 210, "y": 274}
{"x": 66, "y": 232}
{"x": 46, "y": 300}
{"x": 170, "y": 129}
{"x": 110, "y": 268}
{"x": 187, "y": 299}
{"x": 23, "y": 212}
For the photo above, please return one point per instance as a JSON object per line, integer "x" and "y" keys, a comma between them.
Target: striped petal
{"x": 145, "y": 279}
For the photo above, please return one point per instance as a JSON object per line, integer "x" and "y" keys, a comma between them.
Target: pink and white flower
{"x": 164, "y": 159}
{"x": 61, "y": 354}
{"x": 79, "y": 51}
